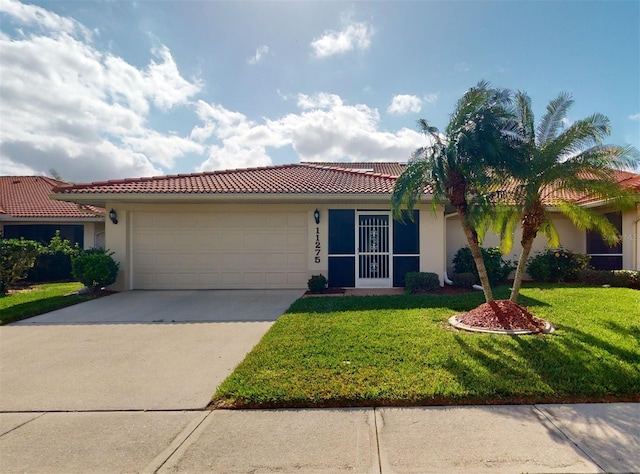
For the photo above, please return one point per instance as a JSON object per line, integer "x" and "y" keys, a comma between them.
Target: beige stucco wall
{"x": 631, "y": 239}
{"x": 118, "y": 237}
{"x": 570, "y": 238}
{"x": 432, "y": 236}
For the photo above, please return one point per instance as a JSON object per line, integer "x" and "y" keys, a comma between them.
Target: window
{"x": 604, "y": 257}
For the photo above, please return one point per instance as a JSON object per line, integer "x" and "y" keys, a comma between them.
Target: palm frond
{"x": 548, "y": 229}
{"x": 581, "y": 135}
{"x": 525, "y": 118}
{"x": 410, "y": 185}
{"x": 589, "y": 219}
{"x": 551, "y": 122}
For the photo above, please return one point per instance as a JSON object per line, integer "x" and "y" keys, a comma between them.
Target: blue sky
{"x": 104, "y": 90}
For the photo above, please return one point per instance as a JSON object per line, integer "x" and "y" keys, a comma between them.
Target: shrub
{"x": 317, "y": 283}
{"x": 417, "y": 282}
{"x": 95, "y": 268}
{"x": 17, "y": 256}
{"x": 618, "y": 278}
{"x": 464, "y": 280}
{"x": 54, "y": 261}
{"x": 497, "y": 267}
{"x": 556, "y": 265}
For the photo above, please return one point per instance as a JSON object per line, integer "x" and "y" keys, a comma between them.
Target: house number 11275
{"x": 318, "y": 246}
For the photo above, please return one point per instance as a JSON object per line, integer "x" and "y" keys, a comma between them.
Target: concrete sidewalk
{"x": 525, "y": 438}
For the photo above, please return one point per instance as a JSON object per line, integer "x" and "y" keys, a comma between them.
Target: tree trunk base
{"x": 502, "y": 315}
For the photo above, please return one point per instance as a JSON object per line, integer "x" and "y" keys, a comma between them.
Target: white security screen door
{"x": 374, "y": 251}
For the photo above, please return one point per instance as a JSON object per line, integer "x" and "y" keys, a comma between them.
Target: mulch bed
{"x": 327, "y": 291}
{"x": 502, "y": 315}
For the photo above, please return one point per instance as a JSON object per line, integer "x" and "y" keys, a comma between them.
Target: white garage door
{"x": 219, "y": 250}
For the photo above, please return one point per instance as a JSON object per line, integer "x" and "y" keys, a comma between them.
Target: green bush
{"x": 54, "y": 261}
{"x": 17, "y": 256}
{"x": 464, "y": 280}
{"x": 95, "y": 268}
{"x": 317, "y": 283}
{"x": 617, "y": 278}
{"x": 498, "y": 268}
{"x": 418, "y": 282}
{"x": 557, "y": 265}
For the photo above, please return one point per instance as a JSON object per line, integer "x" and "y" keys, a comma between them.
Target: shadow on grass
{"x": 576, "y": 368}
{"x": 573, "y": 367}
{"x": 29, "y": 309}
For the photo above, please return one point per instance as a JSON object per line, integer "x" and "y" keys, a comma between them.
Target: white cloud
{"x": 462, "y": 67}
{"x": 31, "y": 15}
{"x": 66, "y": 105}
{"x": 86, "y": 112}
{"x": 261, "y": 52}
{"x": 430, "y": 98}
{"x": 326, "y": 129}
{"x": 321, "y": 100}
{"x": 403, "y": 104}
{"x": 164, "y": 84}
{"x": 634, "y": 117}
{"x": 566, "y": 123}
{"x": 354, "y": 36}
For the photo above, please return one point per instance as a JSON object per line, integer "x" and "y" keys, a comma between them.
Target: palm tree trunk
{"x": 474, "y": 245}
{"x": 522, "y": 261}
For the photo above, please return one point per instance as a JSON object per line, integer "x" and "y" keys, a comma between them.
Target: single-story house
{"x": 27, "y": 211}
{"x": 275, "y": 226}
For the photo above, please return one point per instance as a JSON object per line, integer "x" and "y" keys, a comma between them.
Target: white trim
{"x": 374, "y": 282}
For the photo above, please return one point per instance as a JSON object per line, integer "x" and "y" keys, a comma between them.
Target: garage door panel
{"x": 219, "y": 250}
{"x": 297, "y": 241}
{"x": 296, "y": 260}
{"x": 253, "y": 241}
{"x": 297, "y": 280}
{"x": 231, "y": 241}
{"x": 297, "y": 220}
{"x": 253, "y": 260}
{"x": 275, "y": 260}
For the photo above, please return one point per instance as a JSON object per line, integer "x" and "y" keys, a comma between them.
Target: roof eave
{"x": 101, "y": 199}
{"x": 79, "y": 220}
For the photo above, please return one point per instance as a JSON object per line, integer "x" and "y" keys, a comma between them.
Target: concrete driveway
{"x": 137, "y": 350}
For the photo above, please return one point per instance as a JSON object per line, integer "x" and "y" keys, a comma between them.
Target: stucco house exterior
{"x": 27, "y": 211}
{"x": 275, "y": 226}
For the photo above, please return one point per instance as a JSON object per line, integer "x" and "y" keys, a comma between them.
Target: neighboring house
{"x": 27, "y": 211}
{"x": 274, "y": 227}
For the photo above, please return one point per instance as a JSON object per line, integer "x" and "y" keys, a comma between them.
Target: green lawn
{"x": 38, "y": 299}
{"x": 399, "y": 350}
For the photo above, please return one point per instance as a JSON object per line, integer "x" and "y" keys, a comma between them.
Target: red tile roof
{"x": 303, "y": 178}
{"x": 283, "y": 179}
{"x": 389, "y": 168}
{"x": 624, "y": 178}
{"x": 28, "y": 196}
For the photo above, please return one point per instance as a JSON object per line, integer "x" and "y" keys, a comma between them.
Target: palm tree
{"x": 550, "y": 162}
{"x": 456, "y": 166}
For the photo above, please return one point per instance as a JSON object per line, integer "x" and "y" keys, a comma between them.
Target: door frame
{"x": 374, "y": 282}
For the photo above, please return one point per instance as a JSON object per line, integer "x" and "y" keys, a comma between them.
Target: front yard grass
{"x": 38, "y": 299}
{"x": 399, "y": 350}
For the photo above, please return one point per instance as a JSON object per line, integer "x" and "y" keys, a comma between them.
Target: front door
{"x": 373, "y": 245}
